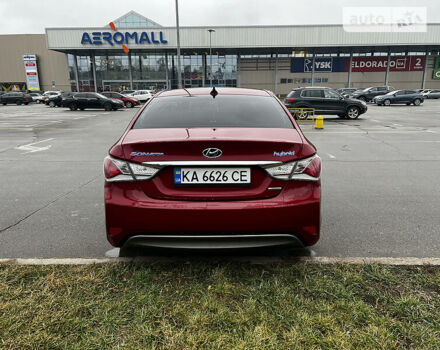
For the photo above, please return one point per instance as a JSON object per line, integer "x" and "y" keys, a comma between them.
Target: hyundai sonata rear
{"x": 213, "y": 169}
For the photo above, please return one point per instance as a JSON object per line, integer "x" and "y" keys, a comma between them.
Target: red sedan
{"x": 129, "y": 102}
{"x": 202, "y": 169}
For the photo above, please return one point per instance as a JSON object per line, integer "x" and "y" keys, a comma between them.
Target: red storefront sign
{"x": 379, "y": 64}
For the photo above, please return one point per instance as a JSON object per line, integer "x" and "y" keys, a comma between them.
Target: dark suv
{"x": 370, "y": 93}
{"x": 15, "y": 97}
{"x": 324, "y": 101}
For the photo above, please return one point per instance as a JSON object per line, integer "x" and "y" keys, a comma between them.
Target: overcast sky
{"x": 32, "y": 16}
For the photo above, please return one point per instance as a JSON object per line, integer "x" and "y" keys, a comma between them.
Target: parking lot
{"x": 381, "y": 188}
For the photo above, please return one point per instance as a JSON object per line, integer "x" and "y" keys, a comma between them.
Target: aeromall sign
{"x": 119, "y": 38}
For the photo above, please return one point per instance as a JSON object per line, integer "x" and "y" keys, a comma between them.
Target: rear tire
{"x": 73, "y": 107}
{"x": 38, "y": 101}
{"x": 108, "y": 107}
{"x": 26, "y": 103}
{"x": 353, "y": 112}
{"x": 4, "y": 104}
{"x": 362, "y": 98}
{"x": 51, "y": 104}
{"x": 81, "y": 109}
{"x": 417, "y": 102}
{"x": 128, "y": 104}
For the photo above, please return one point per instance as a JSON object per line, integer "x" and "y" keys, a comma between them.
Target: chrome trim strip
{"x": 213, "y": 162}
{"x": 274, "y": 188}
{"x": 120, "y": 178}
{"x": 304, "y": 177}
{"x": 233, "y": 241}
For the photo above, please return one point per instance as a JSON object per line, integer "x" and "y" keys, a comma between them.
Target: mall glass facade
{"x": 153, "y": 70}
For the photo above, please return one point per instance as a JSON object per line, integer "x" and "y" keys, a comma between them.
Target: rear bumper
{"x": 218, "y": 242}
{"x": 294, "y": 212}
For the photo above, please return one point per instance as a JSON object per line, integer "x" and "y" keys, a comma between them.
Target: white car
{"x": 36, "y": 97}
{"x": 142, "y": 95}
{"x": 48, "y": 94}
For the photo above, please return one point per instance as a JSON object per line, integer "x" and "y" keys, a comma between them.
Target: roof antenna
{"x": 187, "y": 92}
{"x": 213, "y": 92}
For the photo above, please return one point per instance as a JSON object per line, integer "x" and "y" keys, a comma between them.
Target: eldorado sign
{"x": 359, "y": 64}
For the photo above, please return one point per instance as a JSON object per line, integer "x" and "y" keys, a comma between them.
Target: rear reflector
{"x": 291, "y": 100}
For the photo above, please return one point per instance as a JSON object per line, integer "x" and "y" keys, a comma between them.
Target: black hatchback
{"x": 400, "y": 96}
{"x": 83, "y": 100}
{"x": 324, "y": 101}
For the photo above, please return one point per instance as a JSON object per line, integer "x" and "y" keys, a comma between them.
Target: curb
{"x": 261, "y": 260}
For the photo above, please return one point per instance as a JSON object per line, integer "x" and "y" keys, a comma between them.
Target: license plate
{"x": 211, "y": 176}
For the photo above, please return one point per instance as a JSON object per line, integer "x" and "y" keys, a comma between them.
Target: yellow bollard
{"x": 319, "y": 123}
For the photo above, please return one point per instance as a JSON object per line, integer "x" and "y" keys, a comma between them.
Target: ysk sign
{"x": 119, "y": 38}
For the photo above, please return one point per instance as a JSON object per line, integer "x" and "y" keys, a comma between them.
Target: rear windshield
{"x": 224, "y": 111}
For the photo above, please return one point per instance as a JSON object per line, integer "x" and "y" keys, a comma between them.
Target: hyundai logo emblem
{"x": 212, "y": 152}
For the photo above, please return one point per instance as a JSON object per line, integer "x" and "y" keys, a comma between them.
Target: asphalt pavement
{"x": 381, "y": 188}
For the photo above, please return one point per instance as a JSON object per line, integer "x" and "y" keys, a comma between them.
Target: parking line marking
{"x": 30, "y": 147}
{"x": 331, "y": 156}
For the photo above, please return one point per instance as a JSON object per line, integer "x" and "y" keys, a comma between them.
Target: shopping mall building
{"x": 133, "y": 52}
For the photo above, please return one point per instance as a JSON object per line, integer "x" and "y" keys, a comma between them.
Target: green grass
{"x": 230, "y": 305}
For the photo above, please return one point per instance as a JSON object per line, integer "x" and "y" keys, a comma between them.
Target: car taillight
{"x": 121, "y": 170}
{"x": 308, "y": 169}
{"x": 291, "y": 100}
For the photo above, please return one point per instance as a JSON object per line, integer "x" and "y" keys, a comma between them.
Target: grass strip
{"x": 219, "y": 305}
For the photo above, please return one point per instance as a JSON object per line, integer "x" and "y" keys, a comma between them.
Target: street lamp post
{"x": 210, "y": 54}
{"x": 179, "y": 69}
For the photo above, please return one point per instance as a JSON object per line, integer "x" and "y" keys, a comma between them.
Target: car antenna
{"x": 213, "y": 92}
{"x": 187, "y": 92}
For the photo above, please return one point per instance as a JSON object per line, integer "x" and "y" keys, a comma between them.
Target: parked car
{"x": 400, "y": 97}
{"x": 36, "y": 97}
{"x": 56, "y": 100}
{"x": 83, "y": 100}
{"x": 141, "y": 95}
{"x": 324, "y": 101}
{"x": 48, "y": 94}
{"x": 16, "y": 98}
{"x": 346, "y": 91}
{"x": 246, "y": 172}
{"x": 127, "y": 92}
{"x": 369, "y": 93}
{"x": 432, "y": 94}
{"x": 129, "y": 101}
